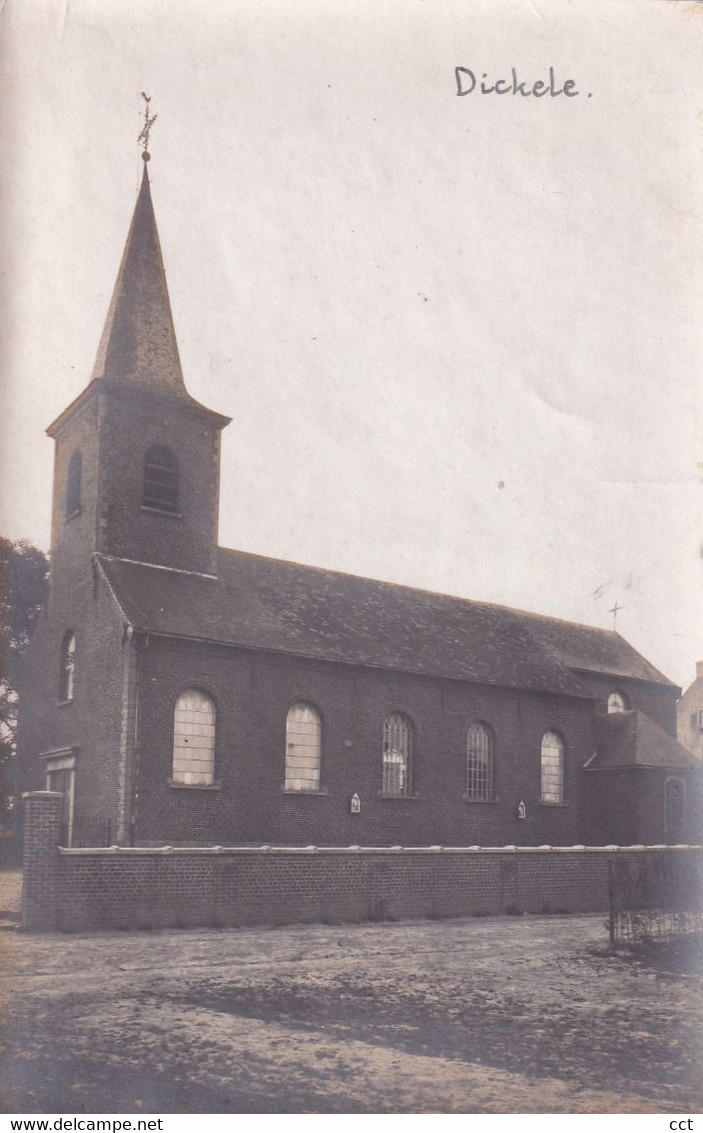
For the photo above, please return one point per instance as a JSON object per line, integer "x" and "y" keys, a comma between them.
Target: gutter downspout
{"x": 125, "y": 769}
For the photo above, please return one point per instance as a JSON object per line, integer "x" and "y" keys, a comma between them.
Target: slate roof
{"x": 263, "y": 603}
{"x": 138, "y": 342}
{"x": 138, "y": 349}
{"x": 593, "y": 650}
{"x": 631, "y": 739}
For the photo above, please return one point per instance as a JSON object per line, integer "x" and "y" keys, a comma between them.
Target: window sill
{"x": 564, "y": 806}
{"x": 161, "y": 511}
{"x": 401, "y": 798}
{"x": 194, "y": 786}
{"x": 302, "y": 791}
{"x": 480, "y": 802}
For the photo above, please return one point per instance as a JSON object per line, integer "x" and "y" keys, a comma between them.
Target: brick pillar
{"x": 42, "y": 827}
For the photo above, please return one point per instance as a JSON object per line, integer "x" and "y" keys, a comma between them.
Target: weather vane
{"x": 149, "y": 120}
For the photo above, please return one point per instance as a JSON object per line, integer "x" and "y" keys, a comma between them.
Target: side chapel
{"x": 181, "y": 693}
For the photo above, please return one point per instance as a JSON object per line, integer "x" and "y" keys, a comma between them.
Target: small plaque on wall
{"x": 355, "y": 804}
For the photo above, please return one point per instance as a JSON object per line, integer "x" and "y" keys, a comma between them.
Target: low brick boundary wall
{"x": 128, "y": 887}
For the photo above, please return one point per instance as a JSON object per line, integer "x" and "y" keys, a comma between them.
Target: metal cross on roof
{"x": 614, "y": 611}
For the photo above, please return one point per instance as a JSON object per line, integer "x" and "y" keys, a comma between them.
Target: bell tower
{"x": 136, "y": 472}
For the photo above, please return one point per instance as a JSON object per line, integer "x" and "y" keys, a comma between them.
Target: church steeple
{"x": 138, "y": 343}
{"x": 147, "y": 451}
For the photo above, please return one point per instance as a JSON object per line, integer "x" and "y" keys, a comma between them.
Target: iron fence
{"x": 655, "y": 899}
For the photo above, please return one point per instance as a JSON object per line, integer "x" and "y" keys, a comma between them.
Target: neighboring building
{"x": 179, "y": 693}
{"x": 689, "y": 715}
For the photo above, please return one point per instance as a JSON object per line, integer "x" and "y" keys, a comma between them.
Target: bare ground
{"x": 497, "y": 1015}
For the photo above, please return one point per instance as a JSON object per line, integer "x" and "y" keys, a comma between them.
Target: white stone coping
{"x": 392, "y": 851}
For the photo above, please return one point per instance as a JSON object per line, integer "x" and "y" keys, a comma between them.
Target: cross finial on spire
{"x": 149, "y": 120}
{"x": 614, "y": 611}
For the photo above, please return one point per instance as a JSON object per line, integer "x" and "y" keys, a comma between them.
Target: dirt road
{"x": 484, "y": 1015}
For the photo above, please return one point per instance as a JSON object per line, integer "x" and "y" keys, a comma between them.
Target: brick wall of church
{"x": 629, "y": 806}
{"x": 91, "y": 722}
{"x": 253, "y": 691}
{"x": 187, "y": 542}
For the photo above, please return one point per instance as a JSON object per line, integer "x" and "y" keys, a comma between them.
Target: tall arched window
{"x": 617, "y": 702}
{"x": 161, "y": 480}
{"x": 303, "y": 748}
{"x": 397, "y": 755}
{"x": 552, "y": 766}
{"x": 67, "y": 671}
{"x": 73, "y": 484}
{"x": 674, "y": 809}
{"x": 194, "y": 739}
{"x": 479, "y": 763}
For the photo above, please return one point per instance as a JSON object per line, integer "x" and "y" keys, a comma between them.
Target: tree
{"x": 24, "y": 576}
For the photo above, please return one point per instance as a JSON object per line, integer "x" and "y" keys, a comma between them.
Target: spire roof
{"x": 138, "y": 343}
{"x": 138, "y": 349}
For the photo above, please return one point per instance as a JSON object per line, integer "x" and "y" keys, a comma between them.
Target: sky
{"x": 459, "y": 336}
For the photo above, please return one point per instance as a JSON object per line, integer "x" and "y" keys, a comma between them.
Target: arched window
{"x": 73, "y": 484}
{"x": 161, "y": 481}
{"x": 552, "y": 766}
{"x": 674, "y": 809}
{"x": 479, "y": 762}
{"x": 397, "y": 755}
{"x": 67, "y": 670}
{"x": 303, "y": 747}
{"x": 194, "y": 739}
{"x": 617, "y": 702}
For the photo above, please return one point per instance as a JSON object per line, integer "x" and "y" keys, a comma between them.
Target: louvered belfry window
{"x": 552, "y": 768}
{"x": 479, "y": 763}
{"x": 303, "y": 748}
{"x": 161, "y": 480}
{"x": 194, "y": 739}
{"x": 397, "y": 755}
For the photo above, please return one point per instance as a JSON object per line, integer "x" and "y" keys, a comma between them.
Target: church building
{"x": 180, "y": 693}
